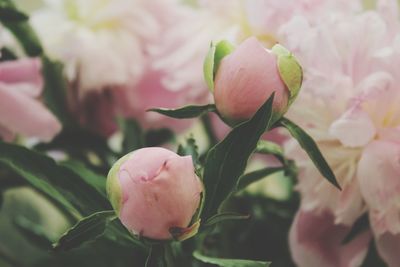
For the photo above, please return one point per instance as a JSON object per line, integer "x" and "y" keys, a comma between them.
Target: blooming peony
{"x": 349, "y": 105}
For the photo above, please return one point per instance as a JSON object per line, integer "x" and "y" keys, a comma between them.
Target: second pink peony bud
{"x": 248, "y": 76}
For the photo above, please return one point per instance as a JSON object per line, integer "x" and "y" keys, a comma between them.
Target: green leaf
{"x": 117, "y": 233}
{"x": 186, "y": 112}
{"x": 361, "y": 225}
{"x": 156, "y": 257}
{"x": 10, "y": 14}
{"x": 93, "y": 179}
{"x": 33, "y": 232}
{"x": 133, "y": 135}
{"x": 227, "y": 160}
{"x": 220, "y": 217}
{"x": 68, "y": 189}
{"x": 55, "y": 89}
{"x": 230, "y": 262}
{"x": 190, "y": 149}
{"x": 311, "y": 148}
{"x": 81, "y": 144}
{"x": 85, "y": 230}
{"x": 270, "y": 148}
{"x": 7, "y": 54}
{"x": 214, "y": 56}
{"x": 254, "y": 176}
{"x": 17, "y": 23}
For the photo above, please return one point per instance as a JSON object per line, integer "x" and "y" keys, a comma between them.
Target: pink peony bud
{"x": 154, "y": 190}
{"x": 248, "y": 76}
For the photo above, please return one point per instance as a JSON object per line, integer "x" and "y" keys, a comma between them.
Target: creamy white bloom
{"x": 99, "y": 41}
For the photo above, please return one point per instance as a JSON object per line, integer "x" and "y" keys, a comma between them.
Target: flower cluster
{"x": 123, "y": 58}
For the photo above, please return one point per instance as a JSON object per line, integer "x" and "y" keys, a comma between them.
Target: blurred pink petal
{"x": 354, "y": 128}
{"x": 24, "y": 115}
{"x": 24, "y": 72}
{"x": 388, "y": 247}
{"x": 315, "y": 241}
{"x": 151, "y": 93}
{"x": 379, "y": 178}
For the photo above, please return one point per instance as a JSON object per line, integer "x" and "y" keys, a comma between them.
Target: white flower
{"x": 99, "y": 41}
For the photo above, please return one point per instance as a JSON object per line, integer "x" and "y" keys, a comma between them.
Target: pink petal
{"x": 388, "y": 247}
{"x": 245, "y": 79}
{"x": 21, "y": 114}
{"x": 25, "y": 72}
{"x": 160, "y": 190}
{"x": 379, "y": 178}
{"x": 315, "y": 241}
{"x": 354, "y": 128}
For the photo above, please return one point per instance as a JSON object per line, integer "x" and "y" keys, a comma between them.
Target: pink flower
{"x": 245, "y": 79}
{"x": 349, "y": 104}
{"x": 316, "y": 240}
{"x": 379, "y": 178}
{"x": 21, "y": 112}
{"x": 153, "y": 189}
{"x": 150, "y": 92}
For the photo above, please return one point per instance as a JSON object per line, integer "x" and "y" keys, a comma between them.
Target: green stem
{"x": 212, "y": 138}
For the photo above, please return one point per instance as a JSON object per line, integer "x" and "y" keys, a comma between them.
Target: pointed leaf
{"x": 8, "y": 13}
{"x": 186, "y": 112}
{"x": 361, "y": 225}
{"x": 16, "y": 22}
{"x": 66, "y": 187}
{"x": 311, "y": 148}
{"x": 270, "y": 148}
{"x": 230, "y": 262}
{"x": 220, "y": 217}
{"x": 227, "y": 160}
{"x": 85, "y": 230}
{"x": 91, "y": 178}
{"x": 254, "y": 176}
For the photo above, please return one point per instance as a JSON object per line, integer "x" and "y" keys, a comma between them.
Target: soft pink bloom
{"x": 154, "y": 189}
{"x": 21, "y": 111}
{"x": 316, "y": 240}
{"x": 349, "y": 104}
{"x": 379, "y": 177}
{"x": 150, "y": 92}
{"x": 245, "y": 79}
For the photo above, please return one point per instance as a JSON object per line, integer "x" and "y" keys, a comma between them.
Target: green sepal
{"x": 223, "y": 262}
{"x": 181, "y": 234}
{"x": 214, "y": 56}
{"x": 114, "y": 191}
{"x": 289, "y": 70}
